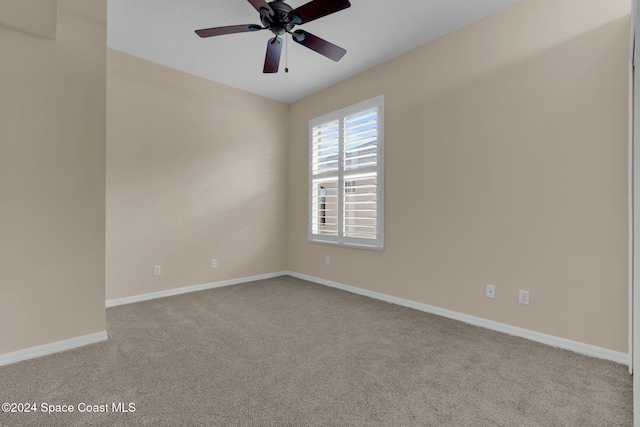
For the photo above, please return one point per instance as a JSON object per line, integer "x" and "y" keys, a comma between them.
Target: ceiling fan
{"x": 280, "y": 18}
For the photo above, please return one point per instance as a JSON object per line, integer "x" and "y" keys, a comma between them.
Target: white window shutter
{"x": 346, "y": 172}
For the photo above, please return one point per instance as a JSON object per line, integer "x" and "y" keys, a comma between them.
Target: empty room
{"x": 318, "y": 213}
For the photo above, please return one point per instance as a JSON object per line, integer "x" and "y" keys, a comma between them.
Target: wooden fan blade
{"x": 272, "y": 59}
{"x": 317, "y": 9}
{"x": 232, "y": 29}
{"x": 321, "y": 46}
{"x": 262, "y": 6}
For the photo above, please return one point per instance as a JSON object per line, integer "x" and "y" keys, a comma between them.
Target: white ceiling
{"x": 372, "y": 31}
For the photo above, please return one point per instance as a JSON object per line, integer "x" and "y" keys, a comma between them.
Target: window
{"x": 349, "y": 186}
{"x": 346, "y": 176}
{"x": 323, "y": 205}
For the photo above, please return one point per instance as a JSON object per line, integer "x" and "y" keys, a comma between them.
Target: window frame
{"x": 340, "y": 240}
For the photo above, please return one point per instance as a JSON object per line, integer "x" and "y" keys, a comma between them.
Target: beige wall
{"x": 37, "y": 17}
{"x": 195, "y": 170}
{"x": 52, "y": 179}
{"x": 506, "y": 163}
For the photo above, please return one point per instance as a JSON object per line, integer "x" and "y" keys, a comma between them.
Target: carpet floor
{"x": 285, "y": 352}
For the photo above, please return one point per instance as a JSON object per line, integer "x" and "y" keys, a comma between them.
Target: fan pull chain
{"x": 286, "y": 54}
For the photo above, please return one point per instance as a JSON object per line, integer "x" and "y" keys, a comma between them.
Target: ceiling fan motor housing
{"x": 280, "y": 22}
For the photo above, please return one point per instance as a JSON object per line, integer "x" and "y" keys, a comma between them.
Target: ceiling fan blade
{"x": 272, "y": 59}
{"x": 232, "y": 29}
{"x": 317, "y": 9}
{"x": 321, "y": 46}
{"x": 262, "y": 6}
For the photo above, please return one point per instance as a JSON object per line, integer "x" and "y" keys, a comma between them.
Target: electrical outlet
{"x": 214, "y": 263}
{"x": 491, "y": 291}
{"x": 156, "y": 270}
{"x": 523, "y": 297}
{"x": 327, "y": 261}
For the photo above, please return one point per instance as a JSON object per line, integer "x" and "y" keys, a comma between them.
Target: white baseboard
{"x": 54, "y": 347}
{"x": 575, "y": 346}
{"x": 177, "y": 291}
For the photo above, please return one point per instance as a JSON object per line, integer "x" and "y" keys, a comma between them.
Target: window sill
{"x": 348, "y": 245}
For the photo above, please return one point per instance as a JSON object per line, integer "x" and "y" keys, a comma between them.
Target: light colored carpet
{"x": 285, "y": 352}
